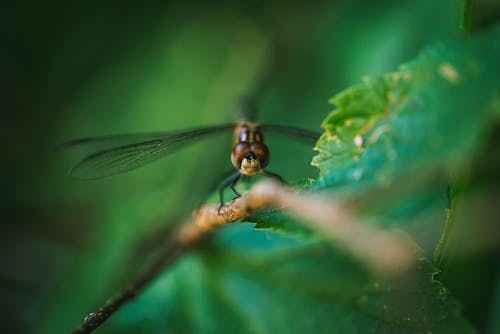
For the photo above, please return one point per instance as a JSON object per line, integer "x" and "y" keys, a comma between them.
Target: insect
{"x": 121, "y": 153}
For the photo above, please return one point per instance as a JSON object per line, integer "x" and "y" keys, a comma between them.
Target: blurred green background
{"x": 80, "y": 69}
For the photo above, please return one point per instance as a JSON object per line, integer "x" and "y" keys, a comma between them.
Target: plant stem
{"x": 466, "y": 22}
{"x": 97, "y": 318}
{"x": 449, "y": 221}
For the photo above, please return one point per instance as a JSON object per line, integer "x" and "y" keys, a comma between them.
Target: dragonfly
{"x": 111, "y": 155}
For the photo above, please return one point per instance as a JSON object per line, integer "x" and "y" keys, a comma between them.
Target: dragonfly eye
{"x": 239, "y": 153}
{"x": 261, "y": 151}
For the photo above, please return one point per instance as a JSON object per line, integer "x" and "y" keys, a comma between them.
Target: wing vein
{"x": 131, "y": 155}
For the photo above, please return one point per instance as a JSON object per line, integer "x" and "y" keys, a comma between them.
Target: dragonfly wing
{"x": 123, "y": 158}
{"x": 306, "y": 136}
{"x": 101, "y": 143}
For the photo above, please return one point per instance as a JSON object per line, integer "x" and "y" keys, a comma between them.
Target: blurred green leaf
{"x": 494, "y": 325}
{"x": 289, "y": 286}
{"x": 276, "y": 220}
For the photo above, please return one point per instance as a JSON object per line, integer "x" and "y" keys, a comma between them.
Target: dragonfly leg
{"x": 234, "y": 184}
{"x": 274, "y": 176}
{"x": 228, "y": 182}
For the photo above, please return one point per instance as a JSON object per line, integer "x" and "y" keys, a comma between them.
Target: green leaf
{"x": 430, "y": 113}
{"x": 249, "y": 281}
{"x": 414, "y": 125}
{"x": 276, "y": 220}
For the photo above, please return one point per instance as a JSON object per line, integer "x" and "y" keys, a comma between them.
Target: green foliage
{"x": 390, "y": 145}
{"x": 430, "y": 113}
{"x": 424, "y": 119}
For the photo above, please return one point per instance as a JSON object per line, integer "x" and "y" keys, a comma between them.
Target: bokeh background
{"x": 90, "y": 68}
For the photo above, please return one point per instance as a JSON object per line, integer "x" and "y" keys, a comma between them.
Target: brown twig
{"x": 386, "y": 251}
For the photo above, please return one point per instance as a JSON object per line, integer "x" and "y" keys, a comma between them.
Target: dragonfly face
{"x": 250, "y": 155}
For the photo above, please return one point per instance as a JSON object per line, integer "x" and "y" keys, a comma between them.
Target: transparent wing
{"x": 94, "y": 144}
{"x": 305, "y": 136}
{"x": 133, "y": 151}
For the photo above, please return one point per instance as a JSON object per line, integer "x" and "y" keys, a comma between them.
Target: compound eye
{"x": 262, "y": 153}
{"x": 240, "y": 151}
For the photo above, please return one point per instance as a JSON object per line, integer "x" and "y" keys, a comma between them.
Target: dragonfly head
{"x": 250, "y": 158}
